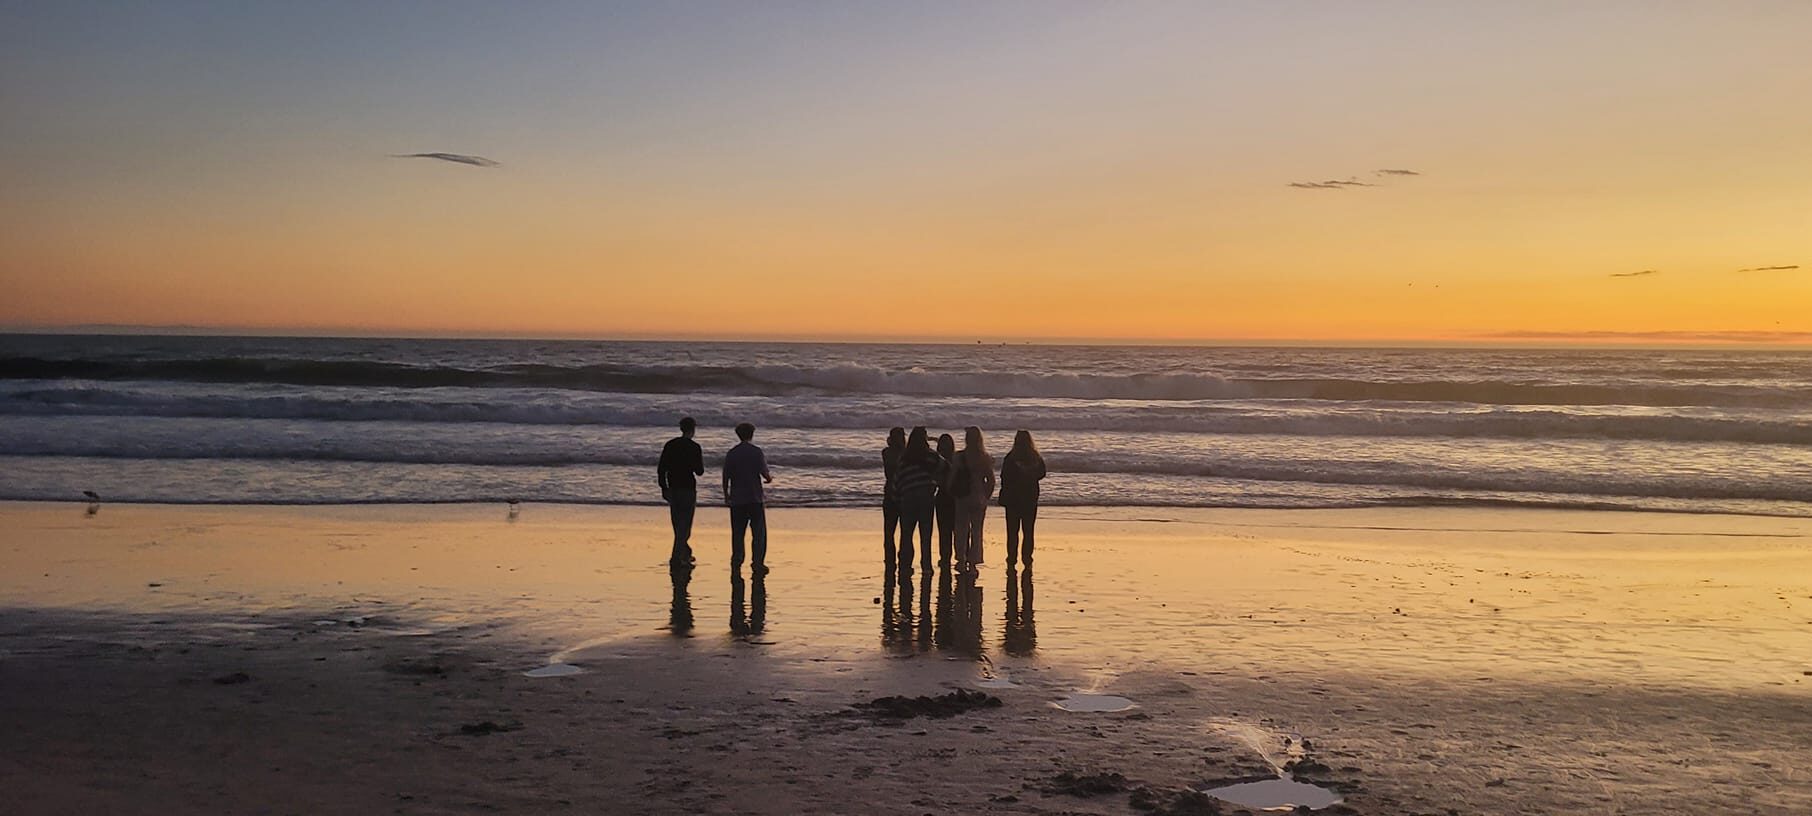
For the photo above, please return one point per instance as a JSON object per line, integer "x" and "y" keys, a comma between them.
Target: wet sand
{"x": 374, "y": 660}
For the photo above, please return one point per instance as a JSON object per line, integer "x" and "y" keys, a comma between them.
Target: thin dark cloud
{"x": 1341, "y": 184}
{"x": 1330, "y": 184}
{"x": 1770, "y": 268}
{"x": 456, "y": 158}
{"x": 1635, "y": 274}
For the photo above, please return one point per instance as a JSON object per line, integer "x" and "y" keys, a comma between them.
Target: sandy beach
{"x": 375, "y": 659}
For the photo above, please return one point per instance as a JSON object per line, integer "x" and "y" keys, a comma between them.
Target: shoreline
{"x": 1044, "y": 507}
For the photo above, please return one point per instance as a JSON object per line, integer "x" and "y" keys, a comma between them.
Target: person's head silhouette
{"x": 687, "y": 426}
{"x": 918, "y": 445}
{"x": 745, "y": 431}
{"x": 896, "y": 437}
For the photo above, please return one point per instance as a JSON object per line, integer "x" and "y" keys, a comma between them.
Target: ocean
{"x": 324, "y": 421}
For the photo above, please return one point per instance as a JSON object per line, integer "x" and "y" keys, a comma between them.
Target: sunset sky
{"x": 1602, "y": 170}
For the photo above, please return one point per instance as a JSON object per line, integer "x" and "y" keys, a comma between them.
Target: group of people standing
{"x": 925, "y": 487}
{"x": 950, "y": 489}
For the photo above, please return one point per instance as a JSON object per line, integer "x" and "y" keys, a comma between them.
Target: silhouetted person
{"x": 915, "y": 479}
{"x": 1021, "y": 634}
{"x": 1020, "y": 471}
{"x": 682, "y": 462}
{"x": 890, "y": 497}
{"x": 972, "y": 483}
{"x": 680, "y": 621}
{"x": 946, "y": 502}
{"x": 745, "y": 470}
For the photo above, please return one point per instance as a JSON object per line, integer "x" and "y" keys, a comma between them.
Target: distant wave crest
{"x": 851, "y": 378}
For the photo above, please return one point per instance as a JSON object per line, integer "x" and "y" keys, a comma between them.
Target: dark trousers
{"x": 946, "y": 529}
{"x": 682, "y": 505}
{"x": 753, "y": 519}
{"x": 890, "y": 521}
{"x": 915, "y": 514}
{"x": 1021, "y": 519}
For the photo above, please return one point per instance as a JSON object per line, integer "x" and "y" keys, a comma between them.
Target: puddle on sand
{"x": 1081, "y": 701}
{"x": 554, "y": 670}
{"x": 1275, "y": 794}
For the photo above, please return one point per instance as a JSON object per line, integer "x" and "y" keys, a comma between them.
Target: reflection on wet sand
{"x": 959, "y": 616}
{"x": 897, "y": 622}
{"x": 680, "y": 621}
{"x": 756, "y": 616}
{"x": 1020, "y": 633}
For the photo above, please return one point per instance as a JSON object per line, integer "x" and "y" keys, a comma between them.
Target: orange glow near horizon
{"x": 1090, "y": 174}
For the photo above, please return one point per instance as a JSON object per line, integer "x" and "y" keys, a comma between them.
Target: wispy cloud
{"x": 456, "y": 158}
{"x": 1770, "y": 268}
{"x": 1351, "y": 181}
{"x": 1635, "y": 274}
{"x": 1331, "y": 184}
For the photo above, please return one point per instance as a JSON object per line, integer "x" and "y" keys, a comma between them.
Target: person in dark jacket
{"x": 946, "y": 502}
{"x": 1020, "y": 471}
{"x": 681, "y": 464}
{"x": 915, "y": 480}
{"x": 890, "y": 499}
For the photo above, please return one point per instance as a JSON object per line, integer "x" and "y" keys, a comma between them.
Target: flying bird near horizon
{"x": 1635, "y": 274}
{"x": 456, "y": 158}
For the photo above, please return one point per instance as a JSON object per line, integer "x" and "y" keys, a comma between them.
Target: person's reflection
{"x": 925, "y": 610}
{"x": 959, "y": 621}
{"x": 755, "y": 618}
{"x": 680, "y": 624}
{"x": 1021, "y": 634}
{"x": 896, "y": 614}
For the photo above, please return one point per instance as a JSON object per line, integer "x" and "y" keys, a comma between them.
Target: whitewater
{"x": 318, "y": 420}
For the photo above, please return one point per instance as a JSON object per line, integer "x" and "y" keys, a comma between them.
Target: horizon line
{"x": 1523, "y": 338}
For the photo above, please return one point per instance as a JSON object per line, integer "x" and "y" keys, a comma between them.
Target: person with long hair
{"x": 972, "y": 485}
{"x": 1020, "y": 471}
{"x": 915, "y": 480}
{"x": 890, "y": 499}
{"x": 946, "y": 502}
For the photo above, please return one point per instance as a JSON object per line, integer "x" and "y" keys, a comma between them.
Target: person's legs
{"x": 924, "y": 525}
{"x": 1028, "y": 519}
{"x": 739, "y": 524}
{"x": 758, "y": 524}
{"x": 890, "y": 520}
{"x": 981, "y": 526}
{"x": 682, "y": 507}
{"x": 959, "y": 534}
{"x": 915, "y": 514}
{"x": 1013, "y": 518}
{"x": 946, "y": 519}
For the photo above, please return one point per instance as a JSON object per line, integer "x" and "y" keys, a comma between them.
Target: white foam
{"x": 554, "y": 670}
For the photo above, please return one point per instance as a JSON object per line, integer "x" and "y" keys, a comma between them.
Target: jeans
{"x": 682, "y": 505}
{"x": 1021, "y": 520}
{"x": 752, "y": 518}
{"x": 971, "y": 517}
{"x": 915, "y": 513}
